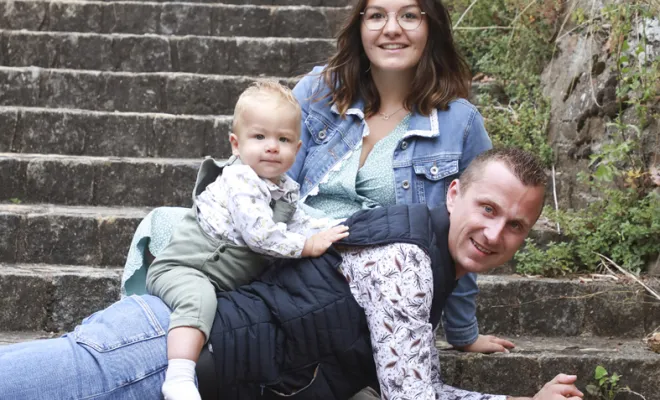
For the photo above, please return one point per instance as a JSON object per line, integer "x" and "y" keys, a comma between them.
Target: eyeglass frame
{"x": 387, "y": 18}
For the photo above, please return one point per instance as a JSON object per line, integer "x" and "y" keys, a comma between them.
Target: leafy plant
{"x": 606, "y": 386}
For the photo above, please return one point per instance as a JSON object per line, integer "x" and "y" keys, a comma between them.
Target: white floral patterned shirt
{"x": 236, "y": 207}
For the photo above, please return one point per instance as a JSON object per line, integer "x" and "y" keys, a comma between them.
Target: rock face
{"x": 581, "y": 82}
{"x": 107, "y": 108}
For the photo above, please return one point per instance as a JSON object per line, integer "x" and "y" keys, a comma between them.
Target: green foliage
{"x": 623, "y": 222}
{"x": 605, "y": 386}
{"x": 15, "y": 200}
{"x": 509, "y": 42}
{"x": 624, "y": 225}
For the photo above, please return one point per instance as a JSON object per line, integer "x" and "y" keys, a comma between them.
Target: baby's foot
{"x": 180, "y": 391}
{"x": 180, "y": 380}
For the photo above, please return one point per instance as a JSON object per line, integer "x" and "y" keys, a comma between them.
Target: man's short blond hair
{"x": 265, "y": 90}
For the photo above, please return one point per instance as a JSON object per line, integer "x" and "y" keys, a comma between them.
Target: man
{"x": 314, "y": 343}
{"x": 299, "y": 332}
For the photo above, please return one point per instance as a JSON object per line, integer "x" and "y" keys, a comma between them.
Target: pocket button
{"x": 434, "y": 170}
{"x": 404, "y": 145}
{"x": 405, "y": 184}
{"x": 322, "y": 134}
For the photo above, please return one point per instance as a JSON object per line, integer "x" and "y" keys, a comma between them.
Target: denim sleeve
{"x": 459, "y": 318}
{"x": 460, "y": 313}
{"x": 303, "y": 93}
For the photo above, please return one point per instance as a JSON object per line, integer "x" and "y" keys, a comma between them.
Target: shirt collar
{"x": 287, "y": 189}
{"x": 419, "y": 125}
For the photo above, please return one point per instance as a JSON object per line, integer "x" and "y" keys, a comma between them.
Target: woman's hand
{"x": 317, "y": 244}
{"x": 488, "y": 344}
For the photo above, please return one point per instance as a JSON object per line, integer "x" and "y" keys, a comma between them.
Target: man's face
{"x": 491, "y": 219}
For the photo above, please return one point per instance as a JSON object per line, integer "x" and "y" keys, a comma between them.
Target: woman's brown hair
{"x": 442, "y": 73}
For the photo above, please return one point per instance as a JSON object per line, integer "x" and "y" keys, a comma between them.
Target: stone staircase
{"x": 106, "y": 109}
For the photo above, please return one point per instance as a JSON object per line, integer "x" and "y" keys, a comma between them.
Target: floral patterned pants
{"x": 394, "y": 285}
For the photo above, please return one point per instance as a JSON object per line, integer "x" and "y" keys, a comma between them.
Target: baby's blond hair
{"x": 260, "y": 90}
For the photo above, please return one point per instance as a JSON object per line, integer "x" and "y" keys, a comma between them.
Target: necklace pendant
{"x": 385, "y": 117}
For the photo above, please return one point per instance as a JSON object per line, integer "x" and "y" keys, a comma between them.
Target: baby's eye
{"x": 284, "y": 140}
{"x": 259, "y": 137}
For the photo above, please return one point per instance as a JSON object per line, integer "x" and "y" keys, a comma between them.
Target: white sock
{"x": 180, "y": 380}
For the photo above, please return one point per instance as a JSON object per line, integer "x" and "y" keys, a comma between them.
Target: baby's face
{"x": 268, "y": 139}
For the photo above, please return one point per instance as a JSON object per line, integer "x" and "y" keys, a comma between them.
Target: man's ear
{"x": 233, "y": 139}
{"x": 452, "y": 194}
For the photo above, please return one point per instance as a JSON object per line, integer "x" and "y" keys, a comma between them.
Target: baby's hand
{"x": 319, "y": 243}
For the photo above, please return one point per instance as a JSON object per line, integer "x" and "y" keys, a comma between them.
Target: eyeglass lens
{"x": 375, "y": 18}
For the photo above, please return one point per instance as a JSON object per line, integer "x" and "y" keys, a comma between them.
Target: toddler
{"x": 244, "y": 213}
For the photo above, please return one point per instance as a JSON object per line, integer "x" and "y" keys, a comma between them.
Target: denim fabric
{"x": 117, "y": 353}
{"x": 434, "y": 151}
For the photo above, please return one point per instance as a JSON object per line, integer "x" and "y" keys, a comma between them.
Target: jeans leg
{"x": 117, "y": 353}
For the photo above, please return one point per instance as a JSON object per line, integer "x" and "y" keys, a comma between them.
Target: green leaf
{"x": 600, "y": 373}
{"x": 592, "y": 389}
{"x": 615, "y": 378}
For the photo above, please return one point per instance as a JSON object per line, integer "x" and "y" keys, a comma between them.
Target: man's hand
{"x": 488, "y": 344}
{"x": 317, "y": 244}
{"x": 562, "y": 387}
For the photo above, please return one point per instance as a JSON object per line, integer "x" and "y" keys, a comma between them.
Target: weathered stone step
{"x": 522, "y": 372}
{"x": 171, "y": 18}
{"x": 167, "y": 92}
{"x": 102, "y": 181}
{"x": 514, "y": 305}
{"x": 53, "y": 298}
{"x": 92, "y": 236}
{"x": 537, "y": 360}
{"x": 310, "y": 3}
{"x": 158, "y": 53}
{"x": 106, "y": 134}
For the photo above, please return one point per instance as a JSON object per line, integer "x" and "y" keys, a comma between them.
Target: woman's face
{"x": 393, "y": 48}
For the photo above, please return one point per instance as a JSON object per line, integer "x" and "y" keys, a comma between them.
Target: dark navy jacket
{"x": 299, "y": 333}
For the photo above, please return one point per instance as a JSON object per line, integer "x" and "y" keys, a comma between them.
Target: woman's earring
{"x": 368, "y": 69}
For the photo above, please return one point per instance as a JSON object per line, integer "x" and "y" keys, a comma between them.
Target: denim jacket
{"x": 434, "y": 151}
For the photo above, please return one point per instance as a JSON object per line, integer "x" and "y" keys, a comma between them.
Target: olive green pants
{"x": 193, "y": 266}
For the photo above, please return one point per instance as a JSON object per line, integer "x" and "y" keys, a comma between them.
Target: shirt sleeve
{"x": 304, "y": 224}
{"x": 248, "y": 206}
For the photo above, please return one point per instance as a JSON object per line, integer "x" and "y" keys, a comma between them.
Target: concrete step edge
{"x": 259, "y": 39}
{"x": 100, "y": 212}
{"x": 83, "y": 72}
{"x": 78, "y": 111}
{"x": 185, "y": 3}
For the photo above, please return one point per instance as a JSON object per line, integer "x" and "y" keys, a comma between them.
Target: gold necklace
{"x": 387, "y": 116}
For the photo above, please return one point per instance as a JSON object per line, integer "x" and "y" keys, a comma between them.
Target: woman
{"x": 395, "y": 129}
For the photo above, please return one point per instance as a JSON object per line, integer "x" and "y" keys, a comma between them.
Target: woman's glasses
{"x": 375, "y": 18}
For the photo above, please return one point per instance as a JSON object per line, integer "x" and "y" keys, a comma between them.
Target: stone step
{"x": 101, "y": 181}
{"x": 50, "y": 234}
{"x": 529, "y": 306}
{"x": 522, "y": 372}
{"x": 158, "y": 53}
{"x": 53, "y": 298}
{"x": 536, "y": 360}
{"x": 310, "y": 3}
{"x": 166, "y": 92}
{"x": 139, "y": 17}
{"x": 108, "y": 134}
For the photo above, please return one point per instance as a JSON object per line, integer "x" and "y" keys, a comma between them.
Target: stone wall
{"x": 581, "y": 83}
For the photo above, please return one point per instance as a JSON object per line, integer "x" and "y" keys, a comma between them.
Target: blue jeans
{"x": 117, "y": 353}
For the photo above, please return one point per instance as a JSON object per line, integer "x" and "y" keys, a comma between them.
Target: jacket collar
{"x": 419, "y": 125}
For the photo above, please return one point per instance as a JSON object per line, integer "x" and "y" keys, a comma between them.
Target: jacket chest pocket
{"x": 319, "y": 130}
{"x": 433, "y": 180}
{"x": 435, "y": 170}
